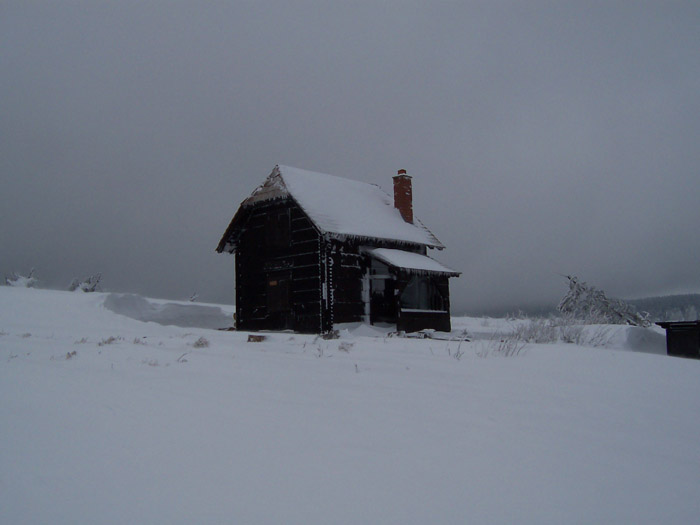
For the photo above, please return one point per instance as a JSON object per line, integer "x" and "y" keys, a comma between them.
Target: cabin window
{"x": 422, "y": 293}
{"x": 379, "y": 269}
{"x": 278, "y": 230}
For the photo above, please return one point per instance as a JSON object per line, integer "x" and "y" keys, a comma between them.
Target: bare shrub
{"x": 535, "y": 331}
{"x": 566, "y": 329}
{"x": 87, "y": 285}
{"x": 506, "y": 345}
{"x": 110, "y": 340}
{"x": 202, "y": 342}
{"x": 20, "y": 281}
{"x": 514, "y": 316}
{"x": 581, "y": 332}
{"x": 509, "y": 346}
{"x": 570, "y": 329}
{"x": 600, "y": 336}
{"x": 571, "y": 333}
{"x": 457, "y": 354}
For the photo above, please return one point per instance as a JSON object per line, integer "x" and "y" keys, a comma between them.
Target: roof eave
{"x": 413, "y": 271}
{"x": 229, "y": 239}
{"x": 371, "y": 238}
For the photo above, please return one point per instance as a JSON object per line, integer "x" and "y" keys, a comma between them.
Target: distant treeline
{"x": 670, "y": 307}
{"x": 665, "y": 308}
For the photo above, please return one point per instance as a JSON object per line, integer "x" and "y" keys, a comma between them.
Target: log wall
{"x": 295, "y": 267}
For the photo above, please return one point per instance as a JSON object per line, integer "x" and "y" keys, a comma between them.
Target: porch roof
{"x": 411, "y": 262}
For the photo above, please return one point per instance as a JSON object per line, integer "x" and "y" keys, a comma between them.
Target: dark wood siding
{"x": 278, "y": 270}
{"x": 288, "y": 276}
{"x": 383, "y": 299}
{"x": 682, "y": 338}
{"x": 347, "y": 271}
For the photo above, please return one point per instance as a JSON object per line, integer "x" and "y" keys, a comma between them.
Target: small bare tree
{"x": 15, "y": 279}
{"x": 89, "y": 284}
{"x": 587, "y": 303}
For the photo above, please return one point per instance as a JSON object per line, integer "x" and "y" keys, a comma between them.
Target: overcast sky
{"x": 543, "y": 138}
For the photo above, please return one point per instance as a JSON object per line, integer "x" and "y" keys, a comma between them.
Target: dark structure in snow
{"x": 682, "y": 338}
{"x": 314, "y": 250}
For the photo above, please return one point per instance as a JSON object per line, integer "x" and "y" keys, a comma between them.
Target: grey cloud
{"x": 542, "y": 139}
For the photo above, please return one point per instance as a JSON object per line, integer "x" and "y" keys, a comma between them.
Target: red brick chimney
{"x": 403, "y": 195}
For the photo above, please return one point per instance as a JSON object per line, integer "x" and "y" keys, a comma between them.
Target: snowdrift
{"x": 170, "y": 313}
{"x": 109, "y": 419}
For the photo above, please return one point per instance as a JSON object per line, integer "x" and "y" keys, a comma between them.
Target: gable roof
{"x": 340, "y": 208}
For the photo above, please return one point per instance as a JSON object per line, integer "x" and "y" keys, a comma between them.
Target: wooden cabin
{"x": 682, "y": 338}
{"x": 315, "y": 250}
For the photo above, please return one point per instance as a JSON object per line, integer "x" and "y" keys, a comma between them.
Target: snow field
{"x": 142, "y": 426}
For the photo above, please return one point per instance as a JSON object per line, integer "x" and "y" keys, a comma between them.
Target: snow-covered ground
{"x": 105, "y": 418}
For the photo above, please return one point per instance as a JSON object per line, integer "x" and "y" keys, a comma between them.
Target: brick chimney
{"x": 403, "y": 195}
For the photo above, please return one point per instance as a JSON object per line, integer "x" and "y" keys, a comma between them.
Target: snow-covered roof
{"x": 342, "y": 207}
{"x": 413, "y": 262}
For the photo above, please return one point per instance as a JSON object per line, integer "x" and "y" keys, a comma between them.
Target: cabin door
{"x": 382, "y": 286}
{"x": 279, "y": 309}
{"x": 382, "y": 300}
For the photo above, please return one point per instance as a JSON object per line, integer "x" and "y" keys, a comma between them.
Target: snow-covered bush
{"x": 592, "y": 306}
{"x": 20, "y": 281}
{"x": 89, "y": 284}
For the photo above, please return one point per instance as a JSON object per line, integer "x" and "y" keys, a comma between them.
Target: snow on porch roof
{"x": 343, "y": 207}
{"x": 413, "y": 262}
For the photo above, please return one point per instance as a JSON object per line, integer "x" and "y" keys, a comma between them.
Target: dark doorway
{"x": 279, "y": 310}
{"x": 382, "y": 294}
